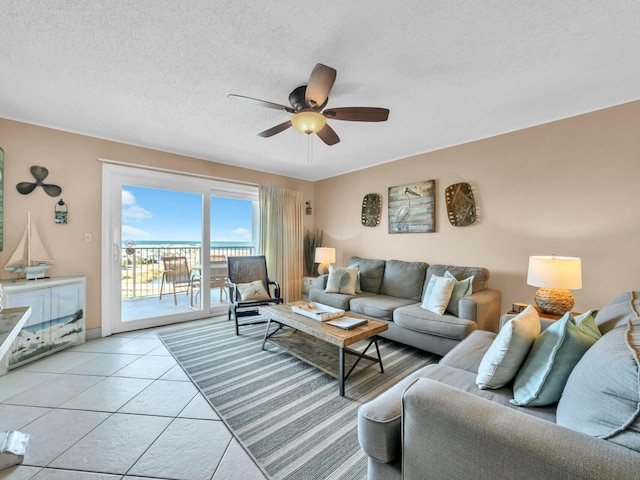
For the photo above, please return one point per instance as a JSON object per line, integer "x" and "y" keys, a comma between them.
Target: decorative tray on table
{"x": 318, "y": 311}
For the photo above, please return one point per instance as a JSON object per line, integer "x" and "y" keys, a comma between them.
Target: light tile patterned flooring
{"x": 117, "y": 408}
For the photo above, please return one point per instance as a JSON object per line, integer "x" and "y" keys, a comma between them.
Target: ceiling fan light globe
{"x": 308, "y": 122}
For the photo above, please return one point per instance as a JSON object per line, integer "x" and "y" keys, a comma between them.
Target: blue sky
{"x": 155, "y": 214}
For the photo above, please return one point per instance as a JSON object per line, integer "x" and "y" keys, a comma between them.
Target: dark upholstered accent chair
{"x": 250, "y": 287}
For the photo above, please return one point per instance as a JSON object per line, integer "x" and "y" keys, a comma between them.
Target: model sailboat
{"x": 30, "y": 257}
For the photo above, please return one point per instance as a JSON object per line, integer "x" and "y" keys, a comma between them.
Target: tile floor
{"x": 117, "y": 408}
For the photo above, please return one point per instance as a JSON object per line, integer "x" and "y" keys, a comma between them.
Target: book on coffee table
{"x": 347, "y": 322}
{"x": 317, "y": 311}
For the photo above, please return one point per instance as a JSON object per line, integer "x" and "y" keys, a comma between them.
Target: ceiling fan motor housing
{"x": 297, "y": 100}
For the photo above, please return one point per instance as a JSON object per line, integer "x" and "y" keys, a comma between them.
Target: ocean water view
{"x": 185, "y": 243}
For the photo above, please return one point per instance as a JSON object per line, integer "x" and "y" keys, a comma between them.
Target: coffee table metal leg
{"x": 375, "y": 339}
{"x": 266, "y": 333}
{"x": 341, "y": 371}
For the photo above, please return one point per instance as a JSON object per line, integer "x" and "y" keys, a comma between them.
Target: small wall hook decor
{"x": 39, "y": 173}
{"x": 61, "y": 212}
{"x": 309, "y": 210}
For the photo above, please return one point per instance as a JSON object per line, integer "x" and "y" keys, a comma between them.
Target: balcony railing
{"x": 142, "y": 267}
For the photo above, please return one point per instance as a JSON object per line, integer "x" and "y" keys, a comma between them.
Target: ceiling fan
{"x": 307, "y": 103}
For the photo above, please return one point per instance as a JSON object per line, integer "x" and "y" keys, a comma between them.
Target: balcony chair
{"x": 219, "y": 273}
{"x": 249, "y": 287}
{"x": 218, "y": 279}
{"x": 178, "y": 274}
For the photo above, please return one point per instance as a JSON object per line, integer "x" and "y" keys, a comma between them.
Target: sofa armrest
{"x": 483, "y": 307}
{"x": 379, "y": 422}
{"x": 321, "y": 281}
{"x": 449, "y": 433}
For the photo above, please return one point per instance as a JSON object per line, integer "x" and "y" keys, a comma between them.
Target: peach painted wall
{"x": 570, "y": 187}
{"x": 72, "y": 161}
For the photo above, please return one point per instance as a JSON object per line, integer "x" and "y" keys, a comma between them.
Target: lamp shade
{"x": 325, "y": 255}
{"x": 308, "y": 122}
{"x": 555, "y": 272}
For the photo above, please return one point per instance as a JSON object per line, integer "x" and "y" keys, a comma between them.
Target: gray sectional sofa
{"x": 438, "y": 424}
{"x": 392, "y": 291}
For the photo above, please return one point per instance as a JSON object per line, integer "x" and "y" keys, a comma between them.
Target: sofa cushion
{"x": 438, "y": 293}
{"x": 554, "y": 353}
{"x": 462, "y": 288}
{"x": 619, "y": 311}
{"x": 337, "y": 300}
{"x": 509, "y": 349}
{"x": 371, "y": 272}
{"x": 416, "y": 318}
{"x": 403, "y": 279}
{"x": 377, "y": 306}
{"x": 465, "y": 381}
{"x": 342, "y": 280}
{"x": 468, "y": 354}
{"x": 602, "y": 395}
{"x": 480, "y": 275}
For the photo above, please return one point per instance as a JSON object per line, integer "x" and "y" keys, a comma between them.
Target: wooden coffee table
{"x": 321, "y": 345}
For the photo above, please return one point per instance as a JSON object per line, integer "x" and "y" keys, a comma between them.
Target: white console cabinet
{"x": 57, "y": 318}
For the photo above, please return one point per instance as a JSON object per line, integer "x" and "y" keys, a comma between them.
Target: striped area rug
{"x": 287, "y": 414}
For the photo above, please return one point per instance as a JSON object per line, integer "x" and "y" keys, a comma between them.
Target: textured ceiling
{"x": 157, "y": 73}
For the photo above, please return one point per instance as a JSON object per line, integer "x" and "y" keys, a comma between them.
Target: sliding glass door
{"x": 165, "y": 242}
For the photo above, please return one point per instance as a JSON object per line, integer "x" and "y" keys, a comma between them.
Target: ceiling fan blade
{"x": 52, "y": 190}
{"x": 328, "y": 135}
{"x": 277, "y": 129}
{"x": 320, "y": 83}
{"x": 25, "y": 187}
{"x": 260, "y": 103}
{"x": 358, "y": 114}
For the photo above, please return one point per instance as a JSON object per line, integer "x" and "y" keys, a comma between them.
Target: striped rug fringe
{"x": 286, "y": 413}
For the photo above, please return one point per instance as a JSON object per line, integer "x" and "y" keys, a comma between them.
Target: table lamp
{"x": 325, "y": 256}
{"x": 555, "y": 276}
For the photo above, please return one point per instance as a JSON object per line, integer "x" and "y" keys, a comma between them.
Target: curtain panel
{"x": 281, "y": 238}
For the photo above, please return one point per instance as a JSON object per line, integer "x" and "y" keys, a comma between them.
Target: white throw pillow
{"x": 509, "y": 349}
{"x": 342, "y": 280}
{"x": 356, "y": 265}
{"x": 252, "y": 291}
{"x": 438, "y": 293}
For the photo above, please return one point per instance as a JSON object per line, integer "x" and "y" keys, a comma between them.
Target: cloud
{"x": 131, "y": 210}
{"x": 128, "y": 198}
{"x": 241, "y": 234}
{"x": 132, "y": 232}
{"x": 135, "y": 213}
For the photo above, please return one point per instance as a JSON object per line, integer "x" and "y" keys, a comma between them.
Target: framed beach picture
{"x": 412, "y": 208}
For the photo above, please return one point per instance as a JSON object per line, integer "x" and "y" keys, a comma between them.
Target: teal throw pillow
{"x": 541, "y": 379}
{"x": 342, "y": 280}
{"x": 438, "y": 293}
{"x": 462, "y": 288}
{"x": 501, "y": 362}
